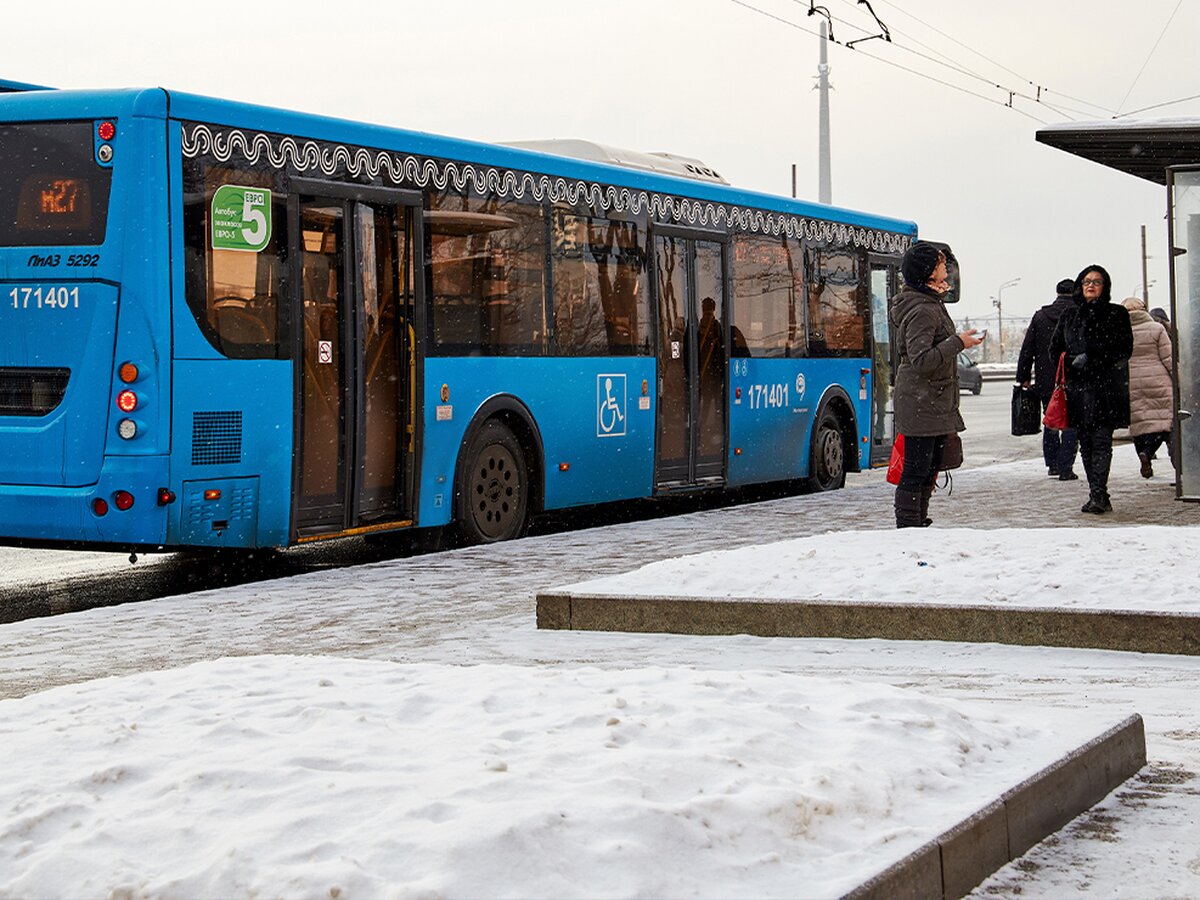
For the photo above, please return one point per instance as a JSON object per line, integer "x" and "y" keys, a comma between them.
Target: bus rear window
{"x": 52, "y": 190}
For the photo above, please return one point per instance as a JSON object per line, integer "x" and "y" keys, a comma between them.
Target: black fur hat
{"x": 1066, "y": 286}
{"x": 919, "y": 262}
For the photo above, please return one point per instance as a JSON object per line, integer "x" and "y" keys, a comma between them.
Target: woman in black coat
{"x": 1097, "y": 340}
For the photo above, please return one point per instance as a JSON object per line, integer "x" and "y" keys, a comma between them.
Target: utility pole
{"x": 1000, "y": 311}
{"x": 824, "y": 186}
{"x": 1145, "y": 280}
{"x": 793, "y": 181}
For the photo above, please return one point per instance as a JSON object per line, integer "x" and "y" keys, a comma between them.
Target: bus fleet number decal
{"x": 44, "y": 298}
{"x": 763, "y": 396}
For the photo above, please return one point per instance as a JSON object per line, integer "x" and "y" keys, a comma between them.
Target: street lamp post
{"x": 1000, "y": 312}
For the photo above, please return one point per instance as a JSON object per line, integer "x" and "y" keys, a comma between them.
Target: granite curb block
{"x": 1101, "y": 629}
{"x": 953, "y": 863}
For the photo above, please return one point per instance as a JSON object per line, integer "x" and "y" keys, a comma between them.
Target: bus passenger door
{"x": 355, "y": 382}
{"x": 884, "y": 285}
{"x": 691, "y": 433}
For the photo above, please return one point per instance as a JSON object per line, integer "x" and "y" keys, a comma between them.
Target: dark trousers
{"x": 1095, "y": 448}
{"x": 1059, "y": 447}
{"x": 1149, "y": 443}
{"x": 922, "y": 456}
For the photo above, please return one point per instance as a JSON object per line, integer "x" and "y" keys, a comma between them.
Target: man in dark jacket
{"x": 1058, "y": 447}
{"x": 1098, "y": 340}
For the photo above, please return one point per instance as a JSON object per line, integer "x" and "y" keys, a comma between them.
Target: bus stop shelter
{"x": 1165, "y": 151}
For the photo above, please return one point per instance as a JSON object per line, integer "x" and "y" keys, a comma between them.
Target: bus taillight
{"x": 127, "y": 401}
{"x": 123, "y": 500}
{"x": 106, "y": 131}
{"x": 100, "y": 506}
{"x": 128, "y": 372}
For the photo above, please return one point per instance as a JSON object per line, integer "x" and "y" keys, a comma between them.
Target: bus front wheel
{"x": 493, "y": 495}
{"x": 827, "y": 462}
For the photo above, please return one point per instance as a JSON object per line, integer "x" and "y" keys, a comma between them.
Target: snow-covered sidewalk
{"x": 312, "y": 733}
{"x": 317, "y": 777}
{"x": 1121, "y": 568}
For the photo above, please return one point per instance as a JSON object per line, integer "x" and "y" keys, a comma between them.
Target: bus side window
{"x": 767, "y": 289}
{"x": 233, "y": 294}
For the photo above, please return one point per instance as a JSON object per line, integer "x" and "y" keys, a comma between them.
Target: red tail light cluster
{"x": 127, "y": 401}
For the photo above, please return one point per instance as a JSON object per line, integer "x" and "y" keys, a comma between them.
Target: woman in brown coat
{"x": 1150, "y": 384}
{"x": 926, "y": 393}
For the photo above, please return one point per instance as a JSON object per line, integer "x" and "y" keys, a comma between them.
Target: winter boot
{"x": 1097, "y": 503}
{"x": 926, "y": 493}
{"x": 908, "y": 508}
{"x": 1147, "y": 466}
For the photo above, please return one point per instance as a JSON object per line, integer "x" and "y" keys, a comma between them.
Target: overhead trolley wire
{"x": 1158, "y": 106}
{"x": 1061, "y": 109}
{"x": 1149, "y": 56}
{"x": 1041, "y": 88}
{"x": 888, "y": 62}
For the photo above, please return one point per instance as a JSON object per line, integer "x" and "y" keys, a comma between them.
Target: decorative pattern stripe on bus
{"x": 424, "y": 172}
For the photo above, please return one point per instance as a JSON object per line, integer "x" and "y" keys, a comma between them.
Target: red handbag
{"x": 896, "y": 463}
{"x": 1056, "y": 409}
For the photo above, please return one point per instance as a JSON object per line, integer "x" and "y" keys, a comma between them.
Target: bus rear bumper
{"x": 35, "y": 514}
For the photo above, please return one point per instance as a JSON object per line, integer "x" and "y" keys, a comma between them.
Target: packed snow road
{"x": 48, "y": 582}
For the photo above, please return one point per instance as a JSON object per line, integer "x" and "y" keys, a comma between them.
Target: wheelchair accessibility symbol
{"x": 610, "y": 405}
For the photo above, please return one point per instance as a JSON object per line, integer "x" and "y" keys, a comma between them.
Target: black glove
{"x": 1079, "y": 362}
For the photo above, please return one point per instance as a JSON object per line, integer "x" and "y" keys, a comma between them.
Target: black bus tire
{"x": 492, "y": 503}
{"x": 827, "y": 460}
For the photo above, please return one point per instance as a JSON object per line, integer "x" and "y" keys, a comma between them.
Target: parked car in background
{"x": 970, "y": 378}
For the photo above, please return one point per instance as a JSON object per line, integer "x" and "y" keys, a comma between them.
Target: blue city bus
{"x": 228, "y": 326}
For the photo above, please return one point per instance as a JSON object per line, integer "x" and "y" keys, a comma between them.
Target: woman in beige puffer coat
{"x": 1150, "y": 384}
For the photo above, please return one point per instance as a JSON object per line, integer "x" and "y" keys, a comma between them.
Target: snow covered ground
{"x": 320, "y": 777}
{"x": 401, "y": 729}
{"x": 1045, "y": 567}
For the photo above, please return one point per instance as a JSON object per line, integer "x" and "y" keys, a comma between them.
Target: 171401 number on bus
{"x": 44, "y": 297}
{"x": 763, "y": 396}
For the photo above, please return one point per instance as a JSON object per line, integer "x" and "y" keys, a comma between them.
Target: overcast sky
{"x": 715, "y": 80}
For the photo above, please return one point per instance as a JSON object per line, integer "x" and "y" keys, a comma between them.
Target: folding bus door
{"x": 692, "y": 434}
{"x": 355, "y": 378}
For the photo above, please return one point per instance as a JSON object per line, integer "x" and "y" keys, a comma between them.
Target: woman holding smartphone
{"x": 926, "y": 392}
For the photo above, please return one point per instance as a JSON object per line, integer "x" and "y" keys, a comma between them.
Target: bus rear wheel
{"x": 493, "y": 497}
{"x": 827, "y": 463}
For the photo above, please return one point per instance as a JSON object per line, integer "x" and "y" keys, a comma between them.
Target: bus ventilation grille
{"x": 216, "y": 438}
{"x": 31, "y": 392}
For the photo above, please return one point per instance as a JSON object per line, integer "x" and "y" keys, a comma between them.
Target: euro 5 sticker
{"x": 241, "y": 218}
